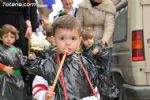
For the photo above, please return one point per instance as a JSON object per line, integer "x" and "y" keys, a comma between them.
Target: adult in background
{"x": 34, "y": 15}
{"x": 67, "y": 9}
{"x": 98, "y": 16}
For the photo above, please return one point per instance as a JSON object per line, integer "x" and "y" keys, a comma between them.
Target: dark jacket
{"x": 100, "y": 59}
{"x": 11, "y": 88}
{"x": 76, "y": 83}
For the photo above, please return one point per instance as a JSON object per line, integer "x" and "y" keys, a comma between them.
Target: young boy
{"x": 48, "y": 51}
{"x": 50, "y": 38}
{"x": 93, "y": 51}
{"x": 11, "y": 60}
{"x": 78, "y": 75}
{"x": 99, "y": 56}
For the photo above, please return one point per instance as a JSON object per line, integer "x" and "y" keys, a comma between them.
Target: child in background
{"x": 99, "y": 56}
{"x": 73, "y": 83}
{"x": 93, "y": 51}
{"x": 11, "y": 61}
{"x": 50, "y": 38}
{"x": 48, "y": 51}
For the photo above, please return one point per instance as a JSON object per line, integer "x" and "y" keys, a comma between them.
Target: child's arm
{"x": 7, "y": 69}
{"x": 95, "y": 51}
{"x": 1, "y": 66}
{"x": 41, "y": 90}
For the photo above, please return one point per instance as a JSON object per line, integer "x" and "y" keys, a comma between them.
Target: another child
{"x": 48, "y": 51}
{"x": 93, "y": 51}
{"x": 99, "y": 56}
{"x": 78, "y": 75}
{"x": 11, "y": 60}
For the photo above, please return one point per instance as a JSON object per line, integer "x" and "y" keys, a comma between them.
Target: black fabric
{"x": 33, "y": 16}
{"x": 100, "y": 61}
{"x": 76, "y": 83}
{"x": 45, "y": 53}
{"x": 93, "y": 3}
{"x": 11, "y": 88}
{"x": 16, "y": 16}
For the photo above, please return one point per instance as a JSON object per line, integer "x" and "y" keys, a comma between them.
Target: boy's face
{"x": 67, "y": 39}
{"x": 67, "y": 4}
{"x": 8, "y": 39}
{"x": 88, "y": 43}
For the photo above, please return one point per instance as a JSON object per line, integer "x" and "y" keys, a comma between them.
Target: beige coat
{"x": 99, "y": 19}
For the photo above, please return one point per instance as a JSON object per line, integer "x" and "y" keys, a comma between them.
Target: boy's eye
{"x": 62, "y": 38}
{"x": 5, "y": 36}
{"x": 74, "y": 38}
{"x": 12, "y": 37}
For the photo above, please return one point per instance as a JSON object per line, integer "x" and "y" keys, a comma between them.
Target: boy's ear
{"x": 54, "y": 38}
{"x": 81, "y": 37}
{"x": 0, "y": 34}
{"x": 80, "y": 40}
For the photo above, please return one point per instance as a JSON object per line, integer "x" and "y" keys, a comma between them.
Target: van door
{"x": 146, "y": 30}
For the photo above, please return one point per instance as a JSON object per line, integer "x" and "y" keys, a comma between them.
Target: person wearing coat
{"x": 98, "y": 16}
{"x": 68, "y": 9}
{"x": 11, "y": 61}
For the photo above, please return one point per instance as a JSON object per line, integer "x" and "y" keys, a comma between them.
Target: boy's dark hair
{"x": 9, "y": 28}
{"x": 87, "y": 34}
{"x": 49, "y": 33}
{"x": 67, "y": 22}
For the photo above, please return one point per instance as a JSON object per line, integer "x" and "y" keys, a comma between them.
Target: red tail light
{"x": 137, "y": 46}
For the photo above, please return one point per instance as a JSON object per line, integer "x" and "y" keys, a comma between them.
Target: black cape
{"x": 11, "y": 88}
{"x": 100, "y": 61}
{"x": 76, "y": 83}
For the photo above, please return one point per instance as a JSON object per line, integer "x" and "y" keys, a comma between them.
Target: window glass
{"x": 121, "y": 19}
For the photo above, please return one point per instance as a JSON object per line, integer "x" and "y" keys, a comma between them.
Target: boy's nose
{"x": 67, "y": 42}
{"x": 9, "y": 38}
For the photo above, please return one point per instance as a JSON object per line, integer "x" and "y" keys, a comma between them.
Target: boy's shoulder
{"x": 1, "y": 46}
{"x": 85, "y": 60}
{"x": 15, "y": 49}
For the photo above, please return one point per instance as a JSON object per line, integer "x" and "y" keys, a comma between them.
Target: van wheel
{"x": 119, "y": 81}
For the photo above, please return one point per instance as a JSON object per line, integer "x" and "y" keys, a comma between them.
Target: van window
{"x": 120, "y": 32}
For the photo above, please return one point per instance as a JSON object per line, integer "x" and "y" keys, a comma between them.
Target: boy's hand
{"x": 50, "y": 93}
{"x": 8, "y": 70}
{"x": 103, "y": 43}
{"x": 32, "y": 56}
{"x": 95, "y": 51}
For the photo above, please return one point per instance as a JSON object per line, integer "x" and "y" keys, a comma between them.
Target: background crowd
{"x": 97, "y": 20}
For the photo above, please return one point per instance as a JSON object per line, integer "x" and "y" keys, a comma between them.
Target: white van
{"x": 131, "y": 50}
